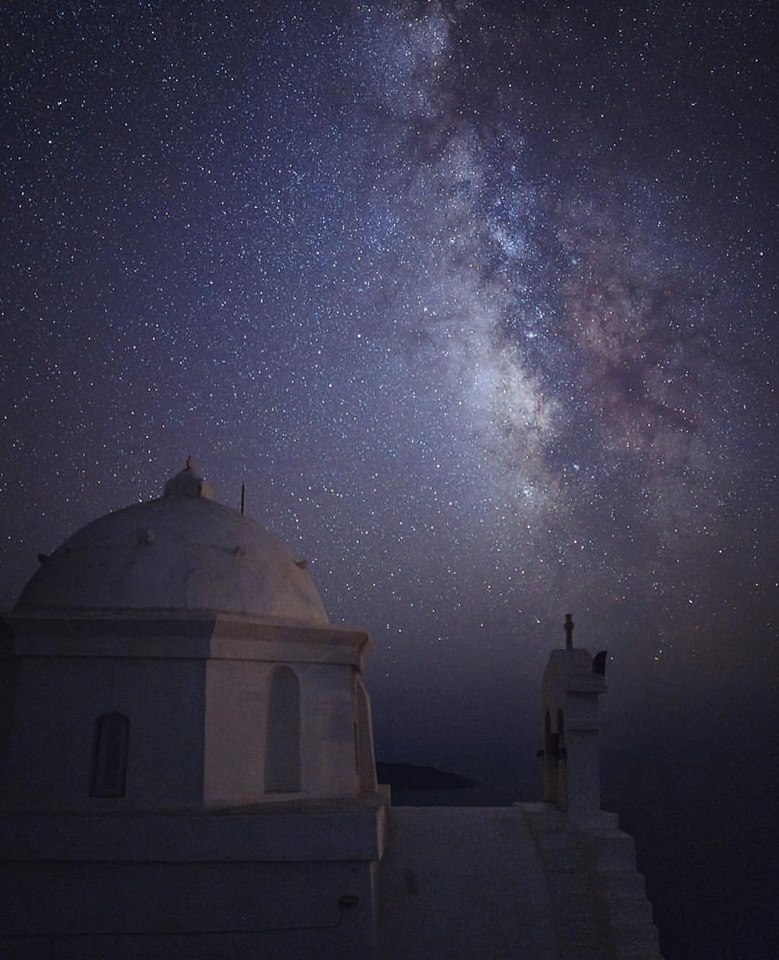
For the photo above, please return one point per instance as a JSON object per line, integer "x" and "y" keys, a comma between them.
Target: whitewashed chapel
{"x": 187, "y": 771}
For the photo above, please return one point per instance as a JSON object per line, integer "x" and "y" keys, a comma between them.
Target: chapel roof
{"x": 182, "y": 552}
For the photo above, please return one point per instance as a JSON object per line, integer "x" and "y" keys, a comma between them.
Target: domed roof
{"x": 181, "y": 552}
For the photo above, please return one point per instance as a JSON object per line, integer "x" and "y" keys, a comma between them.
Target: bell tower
{"x": 573, "y": 682}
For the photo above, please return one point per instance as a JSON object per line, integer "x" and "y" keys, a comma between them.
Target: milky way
{"x": 476, "y": 299}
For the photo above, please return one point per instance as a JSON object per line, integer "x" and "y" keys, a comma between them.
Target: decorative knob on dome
{"x": 189, "y": 483}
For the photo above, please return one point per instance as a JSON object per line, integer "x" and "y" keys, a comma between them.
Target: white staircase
{"x": 599, "y": 897}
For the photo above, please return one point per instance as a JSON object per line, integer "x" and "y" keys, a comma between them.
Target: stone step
{"x": 581, "y": 930}
{"x": 629, "y": 912}
{"x": 573, "y": 888}
{"x": 623, "y": 884}
{"x": 553, "y": 839}
{"x": 541, "y": 816}
{"x": 577, "y": 950}
{"x": 602, "y": 821}
{"x": 614, "y": 851}
{"x": 636, "y": 941}
{"x": 565, "y": 860}
{"x": 641, "y": 953}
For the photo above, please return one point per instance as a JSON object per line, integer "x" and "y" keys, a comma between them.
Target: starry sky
{"x": 479, "y": 301}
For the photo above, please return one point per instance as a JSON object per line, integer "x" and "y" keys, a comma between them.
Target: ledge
{"x": 296, "y": 831}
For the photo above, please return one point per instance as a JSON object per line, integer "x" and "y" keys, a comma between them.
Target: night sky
{"x": 479, "y": 301}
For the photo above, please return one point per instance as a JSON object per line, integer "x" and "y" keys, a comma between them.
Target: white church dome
{"x": 181, "y": 552}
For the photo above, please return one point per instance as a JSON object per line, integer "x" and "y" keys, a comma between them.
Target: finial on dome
{"x": 189, "y": 483}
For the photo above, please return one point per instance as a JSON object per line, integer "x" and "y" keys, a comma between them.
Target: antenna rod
{"x": 568, "y": 627}
{"x": 243, "y": 495}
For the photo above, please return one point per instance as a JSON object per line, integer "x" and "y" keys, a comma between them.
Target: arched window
{"x": 550, "y": 761}
{"x": 363, "y": 740}
{"x": 282, "y": 751}
{"x": 562, "y": 761}
{"x": 109, "y": 760}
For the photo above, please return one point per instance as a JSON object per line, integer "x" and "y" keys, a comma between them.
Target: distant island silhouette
{"x": 407, "y": 776}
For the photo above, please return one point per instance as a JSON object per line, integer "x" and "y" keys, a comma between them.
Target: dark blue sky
{"x": 477, "y": 298}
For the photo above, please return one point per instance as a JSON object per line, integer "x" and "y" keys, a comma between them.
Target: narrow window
{"x": 551, "y": 742}
{"x": 109, "y": 762}
{"x": 366, "y": 761}
{"x": 562, "y": 764}
{"x": 282, "y": 752}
